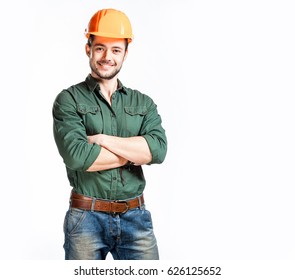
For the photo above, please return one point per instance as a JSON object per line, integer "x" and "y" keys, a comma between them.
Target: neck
{"x": 108, "y": 87}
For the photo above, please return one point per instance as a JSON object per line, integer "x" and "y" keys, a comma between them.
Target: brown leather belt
{"x": 110, "y": 206}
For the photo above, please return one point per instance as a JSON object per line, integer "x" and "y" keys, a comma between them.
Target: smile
{"x": 105, "y": 64}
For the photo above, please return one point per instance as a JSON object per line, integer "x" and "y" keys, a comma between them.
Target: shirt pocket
{"x": 134, "y": 119}
{"x": 91, "y": 118}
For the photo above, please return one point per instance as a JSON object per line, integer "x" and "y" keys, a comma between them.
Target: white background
{"x": 222, "y": 74}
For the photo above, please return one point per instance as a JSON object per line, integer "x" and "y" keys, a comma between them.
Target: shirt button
{"x": 114, "y": 178}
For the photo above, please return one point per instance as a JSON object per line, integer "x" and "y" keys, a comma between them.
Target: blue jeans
{"x": 92, "y": 235}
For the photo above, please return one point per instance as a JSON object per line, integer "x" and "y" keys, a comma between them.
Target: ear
{"x": 126, "y": 54}
{"x": 87, "y": 50}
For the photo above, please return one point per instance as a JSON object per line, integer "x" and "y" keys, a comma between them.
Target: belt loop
{"x": 139, "y": 202}
{"x": 70, "y": 200}
{"x": 93, "y": 204}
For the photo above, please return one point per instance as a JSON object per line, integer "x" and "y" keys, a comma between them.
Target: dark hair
{"x": 91, "y": 39}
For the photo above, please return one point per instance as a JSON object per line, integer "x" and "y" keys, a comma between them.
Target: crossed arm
{"x": 117, "y": 151}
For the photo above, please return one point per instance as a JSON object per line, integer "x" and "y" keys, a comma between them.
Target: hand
{"x": 97, "y": 139}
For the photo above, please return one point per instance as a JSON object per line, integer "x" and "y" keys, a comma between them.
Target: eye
{"x": 99, "y": 49}
{"x": 116, "y": 51}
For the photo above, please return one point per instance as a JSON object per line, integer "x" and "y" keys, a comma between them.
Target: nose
{"x": 107, "y": 55}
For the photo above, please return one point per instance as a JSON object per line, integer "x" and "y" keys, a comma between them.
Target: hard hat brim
{"x": 107, "y": 35}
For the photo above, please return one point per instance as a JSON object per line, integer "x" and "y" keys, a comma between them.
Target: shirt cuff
{"x": 93, "y": 154}
{"x": 154, "y": 148}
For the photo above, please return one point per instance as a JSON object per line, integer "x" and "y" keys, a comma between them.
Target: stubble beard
{"x": 106, "y": 76}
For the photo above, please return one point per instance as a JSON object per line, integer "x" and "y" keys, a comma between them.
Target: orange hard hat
{"x": 110, "y": 23}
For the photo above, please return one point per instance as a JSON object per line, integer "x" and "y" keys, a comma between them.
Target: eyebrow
{"x": 102, "y": 45}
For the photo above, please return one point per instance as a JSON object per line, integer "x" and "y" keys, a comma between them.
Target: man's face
{"x": 106, "y": 56}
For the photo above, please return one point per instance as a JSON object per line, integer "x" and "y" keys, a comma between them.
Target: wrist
{"x": 99, "y": 139}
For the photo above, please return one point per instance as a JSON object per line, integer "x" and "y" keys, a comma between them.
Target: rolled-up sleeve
{"x": 70, "y": 134}
{"x": 154, "y": 134}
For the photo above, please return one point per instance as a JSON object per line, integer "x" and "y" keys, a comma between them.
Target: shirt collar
{"x": 93, "y": 84}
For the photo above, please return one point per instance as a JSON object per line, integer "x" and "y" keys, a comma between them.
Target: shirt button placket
{"x": 114, "y": 125}
{"x": 114, "y": 184}
{"x": 113, "y": 116}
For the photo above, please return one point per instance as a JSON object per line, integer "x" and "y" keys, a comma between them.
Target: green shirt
{"x": 82, "y": 110}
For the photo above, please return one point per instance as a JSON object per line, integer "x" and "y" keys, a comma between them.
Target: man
{"x": 105, "y": 132}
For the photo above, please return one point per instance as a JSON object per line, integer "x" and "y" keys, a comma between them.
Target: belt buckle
{"x": 120, "y": 201}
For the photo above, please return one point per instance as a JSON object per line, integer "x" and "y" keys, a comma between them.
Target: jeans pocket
{"x": 147, "y": 219}
{"x": 74, "y": 218}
